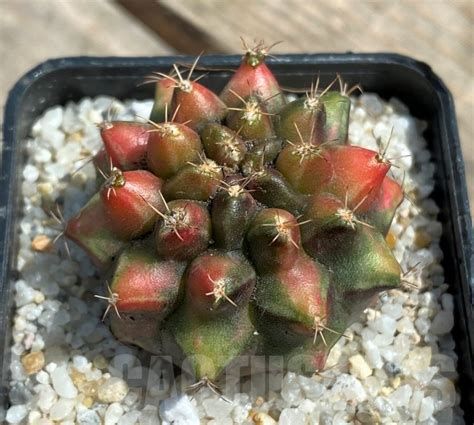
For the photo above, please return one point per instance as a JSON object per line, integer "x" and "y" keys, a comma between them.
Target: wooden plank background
{"x": 438, "y": 32}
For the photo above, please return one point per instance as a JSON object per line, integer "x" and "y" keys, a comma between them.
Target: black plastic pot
{"x": 60, "y": 80}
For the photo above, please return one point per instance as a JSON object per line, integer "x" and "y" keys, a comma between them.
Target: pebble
{"x": 426, "y": 409}
{"x": 179, "y": 411}
{"x": 87, "y": 417}
{"x": 292, "y": 417}
{"x": 291, "y": 390}
{"x": 217, "y": 408}
{"x": 47, "y": 397}
{"x": 62, "y": 383}
{"x": 130, "y": 418}
{"x": 15, "y": 414}
{"x": 401, "y": 396}
{"x": 113, "y": 413}
{"x": 442, "y": 323}
{"x": 61, "y": 409}
{"x": 359, "y": 367}
{"x": 349, "y": 388}
{"x": 33, "y": 362}
{"x": 261, "y": 418}
{"x": 113, "y": 390}
{"x": 149, "y": 416}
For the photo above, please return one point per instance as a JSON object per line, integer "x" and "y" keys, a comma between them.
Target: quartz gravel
{"x": 399, "y": 365}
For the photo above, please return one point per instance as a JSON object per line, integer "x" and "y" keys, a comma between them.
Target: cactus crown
{"x": 244, "y": 221}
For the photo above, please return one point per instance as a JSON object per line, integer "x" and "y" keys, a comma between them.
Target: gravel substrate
{"x": 399, "y": 366}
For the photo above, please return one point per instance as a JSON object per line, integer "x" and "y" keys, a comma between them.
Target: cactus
{"x": 240, "y": 223}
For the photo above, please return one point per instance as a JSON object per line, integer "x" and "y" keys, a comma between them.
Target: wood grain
{"x": 32, "y": 31}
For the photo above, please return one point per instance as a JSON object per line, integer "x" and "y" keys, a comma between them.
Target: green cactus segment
{"x": 251, "y": 120}
{"x": 209, "y": 343}
{"x": 194, "y": 181}
{"x": 223, "y": 145}
{"x": 362, "y": 269}
{"x": 232, "y": 209}
{"x": 383, "y": 209}
{"x": 183, "y": 231}
{"x": 274, "y": 240}
{"x": 219, "y": 283}
{"x": 212, "y": 326}
{"x": 90, "y": 229}
{"x": 302, "y": 121}
{"x": 297, "y": 293}
{"x": 146, "y": 291}
{"x": 305, "y": 166}
{"x": 196, "y": 105}
{"x": 170, "y": 147}
{"x": 164, "y": 90}
{"x": 337, "y": 107}
{"x": 259, "y": 154}
{"x": 273, "y": 190}
{"x": 295, "y": 343}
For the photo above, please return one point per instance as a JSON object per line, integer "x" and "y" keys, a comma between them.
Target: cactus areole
{"x": 239, "y": 222}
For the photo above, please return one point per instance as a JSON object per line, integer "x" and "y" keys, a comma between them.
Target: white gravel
{"x": 398, "y": 367}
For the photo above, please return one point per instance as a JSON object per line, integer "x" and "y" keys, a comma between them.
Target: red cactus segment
{"x": 144, "y": 290}
{"x": 183, "y": 230}
{"x": 170, "y": 147}
{"x": 197, "y": 106}
{"x": 194, "y": 104}
{"x": 357, "y": 174}
{"x": 125, "y": 143}
{"x": 303, "y": 286}
{"x": 383, "y": 208}
{"x": 127, "y": 198}
{"x": 219, "y": 282}
{"x": 194, "y": 181}
{"x": 143, "y": 283}
{"x": 91, "y": 230}
{"x": 253, "y": 76}
{"x": 305, "y": 166}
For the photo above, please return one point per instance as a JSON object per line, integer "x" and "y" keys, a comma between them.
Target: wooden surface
{"x": 439, "y": 32}
{"x": 32, "y": 31}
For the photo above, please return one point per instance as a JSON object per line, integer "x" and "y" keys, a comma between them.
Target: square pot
{"x": 389, "y": 75}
